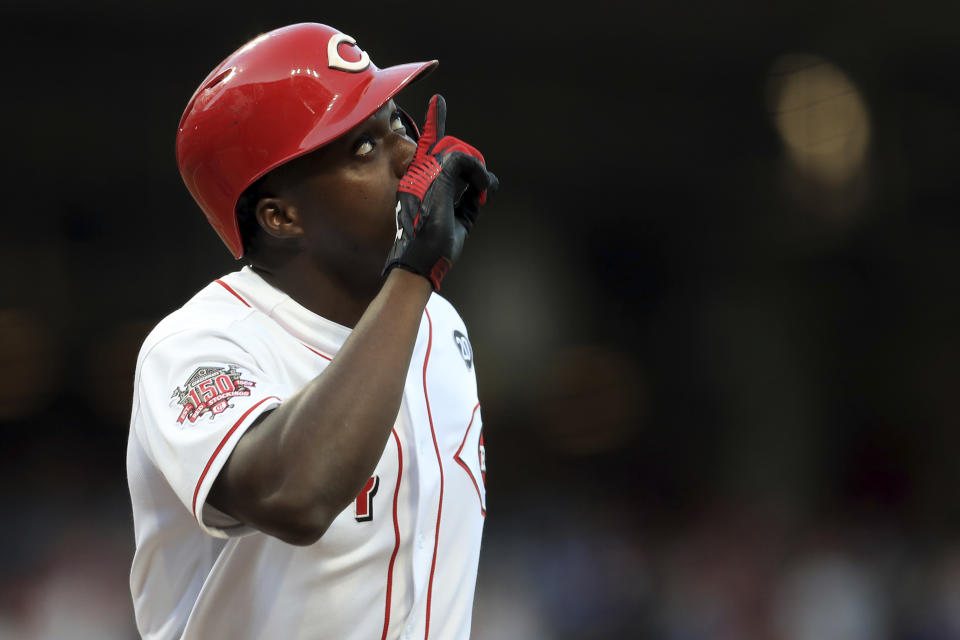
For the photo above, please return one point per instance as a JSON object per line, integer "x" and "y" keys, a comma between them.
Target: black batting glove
{"x": 438, "y": 200}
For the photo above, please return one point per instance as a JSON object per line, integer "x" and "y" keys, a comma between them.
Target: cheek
{"x": 374, "y": 199}
{"x": 372, "y": 204}
{"x": 364, "y": 204}
{"x": 374, "y": 193}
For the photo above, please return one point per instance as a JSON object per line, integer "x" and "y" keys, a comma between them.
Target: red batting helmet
{"x": 280, "y": 96}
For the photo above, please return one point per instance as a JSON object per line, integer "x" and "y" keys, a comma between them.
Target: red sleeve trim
{"x": 460, "y": 461}
{"x": 227, "y": 287}
{"x": 220, "y": 446}
{"x": 436, "y": 447}
{"x": 396, "y": 533}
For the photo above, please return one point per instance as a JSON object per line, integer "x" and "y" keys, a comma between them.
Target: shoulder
{"x": 212, "y": 319}
{"x": 449, "y": 331}
{"x": 442, "y": 311}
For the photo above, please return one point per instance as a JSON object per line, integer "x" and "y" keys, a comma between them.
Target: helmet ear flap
{"x": 413, "y": 131}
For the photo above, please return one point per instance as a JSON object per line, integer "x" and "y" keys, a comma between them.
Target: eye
{"x": 363, "y": 146}
{"x": 396, "y": 122}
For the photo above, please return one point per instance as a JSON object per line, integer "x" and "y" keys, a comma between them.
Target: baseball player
{"x": 305, "y": 456}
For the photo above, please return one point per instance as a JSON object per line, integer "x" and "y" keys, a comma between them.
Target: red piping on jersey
{"x": 326, "y": 357}
{"x": 396, "y": 521}
{"x": 227, "y": 287}
{"x": 219, "y": 447}
{"x": 456, "y": 457}
{"x": 240, "y": 298}
{"x": 396, "y": 533}
{"x": 436, "y": 447}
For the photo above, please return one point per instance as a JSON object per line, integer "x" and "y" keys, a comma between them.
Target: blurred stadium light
{"x": 820, "y": 115}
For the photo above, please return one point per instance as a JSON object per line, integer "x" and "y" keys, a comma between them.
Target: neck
{"x": 336, "y": 297}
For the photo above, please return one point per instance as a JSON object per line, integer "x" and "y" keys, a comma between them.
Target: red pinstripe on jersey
{"x": 456, "y": 457}
{"x": 219, "y": 447}
{"x": 436, "y": 447}
{"x": 227, "y": 287}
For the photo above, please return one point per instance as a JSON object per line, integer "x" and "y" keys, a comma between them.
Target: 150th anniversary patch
{"x": 208, "y": 390}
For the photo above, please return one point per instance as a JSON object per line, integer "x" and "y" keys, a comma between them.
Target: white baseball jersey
{"x": 401, "y": 562}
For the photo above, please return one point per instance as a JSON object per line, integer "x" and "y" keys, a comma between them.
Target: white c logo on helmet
{"x": 335, "y": 61}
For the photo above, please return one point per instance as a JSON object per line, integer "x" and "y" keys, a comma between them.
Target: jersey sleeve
{"x": 198, "y": 393}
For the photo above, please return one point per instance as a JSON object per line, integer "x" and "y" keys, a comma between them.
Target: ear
{"x": 278, "y": 218}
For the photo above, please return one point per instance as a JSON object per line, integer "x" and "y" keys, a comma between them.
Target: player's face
{"x": 346, "y": 193}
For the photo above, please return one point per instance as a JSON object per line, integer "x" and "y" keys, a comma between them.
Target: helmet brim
{"x": 367, "y": 100}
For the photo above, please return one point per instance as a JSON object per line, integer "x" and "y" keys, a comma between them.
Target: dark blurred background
{"x": 713, "y": 306}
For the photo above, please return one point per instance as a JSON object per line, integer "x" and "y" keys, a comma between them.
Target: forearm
{"x": 292, "y": 473}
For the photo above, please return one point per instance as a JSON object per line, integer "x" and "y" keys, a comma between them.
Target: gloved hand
{"x": 438, "y": 199}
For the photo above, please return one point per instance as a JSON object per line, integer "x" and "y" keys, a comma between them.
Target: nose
{"x": 403, "y": 154}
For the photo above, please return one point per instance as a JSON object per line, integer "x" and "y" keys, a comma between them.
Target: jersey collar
{"x": 315, "y": 331}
